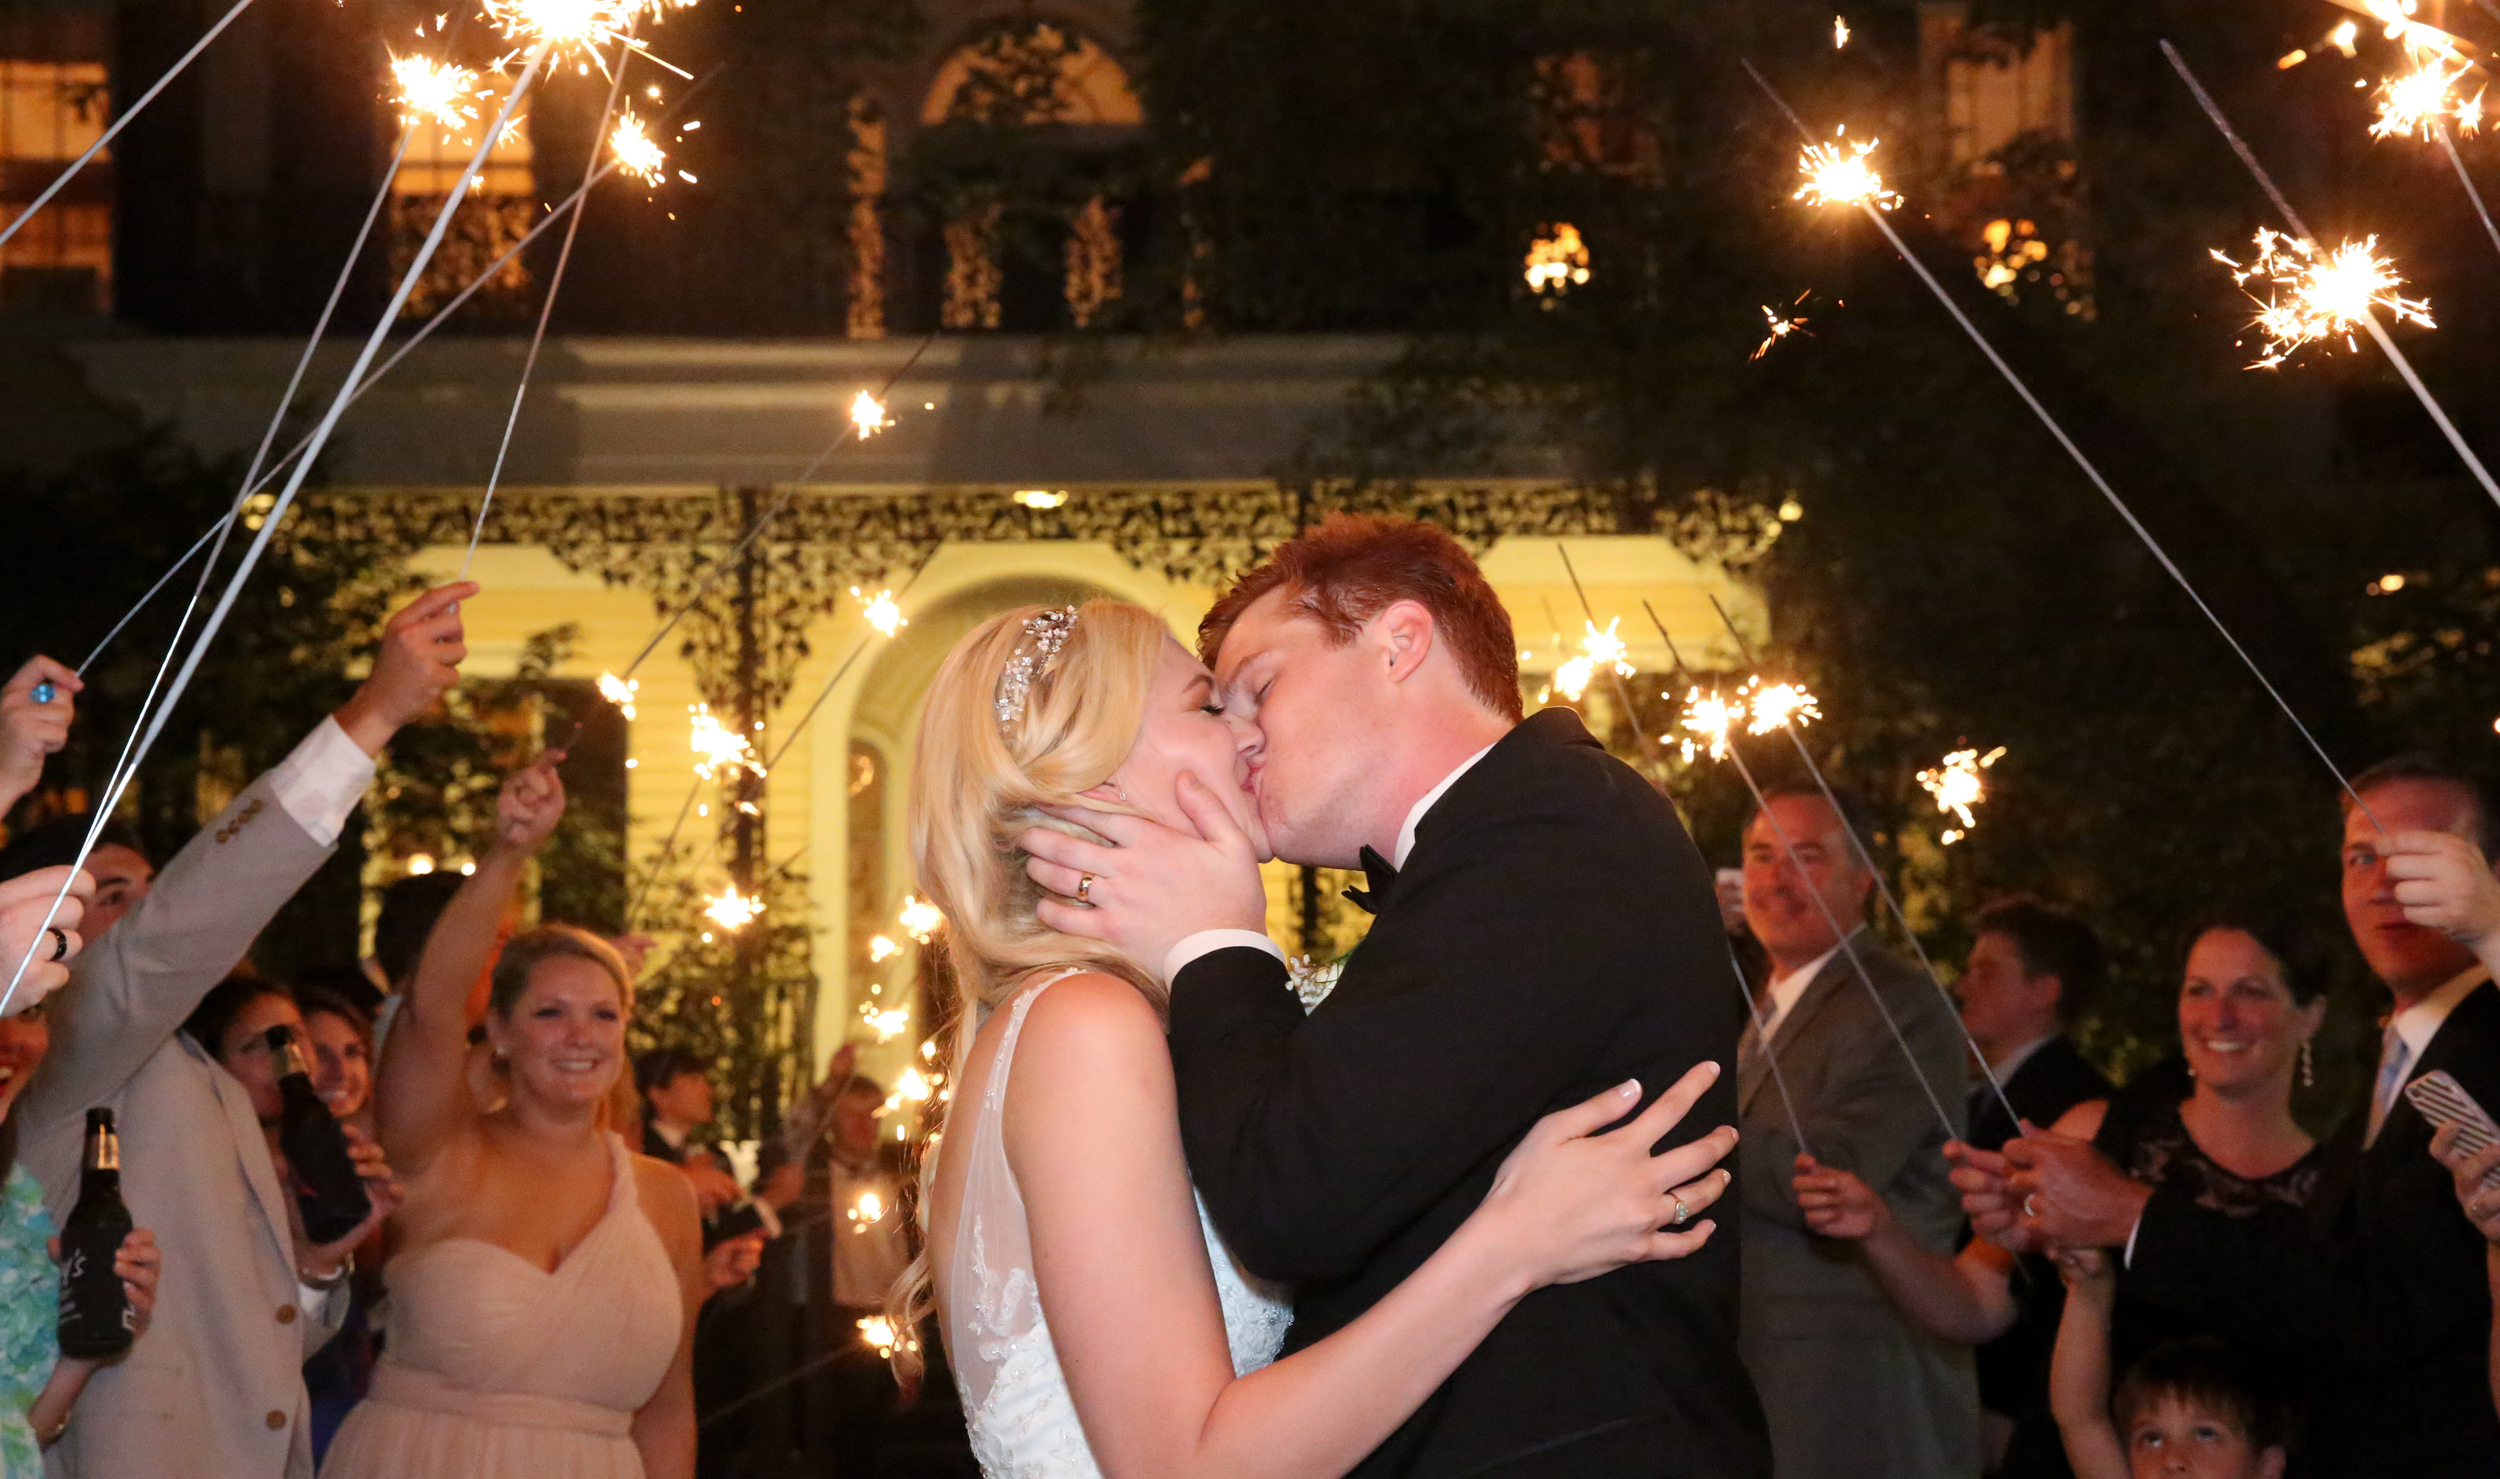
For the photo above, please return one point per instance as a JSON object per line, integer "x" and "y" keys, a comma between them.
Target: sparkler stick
{"x": 136, "y": 753}
{"x": 1848, "y": 945}
{"x": 1649, "y": 748}
{"x": 424, "y": 331}
{"x": 857, "y": 650}
{"x": 2482, "y": 212}
{"x": 788, "y": 492}
{"x": 114, "y": 130}
{"x": 1902, "y": 250}
{"x": 546, "y": 310}
{"x": 2378, "y": 333}
{"x": 1883, "y": 890}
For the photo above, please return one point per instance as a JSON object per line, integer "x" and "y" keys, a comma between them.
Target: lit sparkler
{"x": 920, "y": 918}
{"x": 443, "y": 94}
{"x": 1835, "y": 178}
{"x": 879, "y": 1334}
{"x": 1557, "y": 260}
{"x": 1958, "y": 785}
{"x": 1779, "y": 705}
{"x": 636, "y": 152}
{"x": 720, "y": 752}
{"x": 1710, "y": 719}
{"x": 866, "y": 1212}
{"x": 868, "y": 415}
{"x": 1840, "y": 32}
{"x": 565, "y": 25}
{"x": 1598, "y": 650}
{"x": 881, "y": 611}
{"x": 880, "y": 949}
{"x": 888, "y": 1023}
{"x": 2417, "y": 103}
{"x": 2320, "y": 296}
{"x": 732, "y": 910}
{"x": 620, "y": 692}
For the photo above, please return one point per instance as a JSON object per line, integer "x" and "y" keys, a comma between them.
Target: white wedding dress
{"x": 1017, "y": 1409}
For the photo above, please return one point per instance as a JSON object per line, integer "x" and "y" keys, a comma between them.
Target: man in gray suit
{"x": 214, "y": 1389}
{"x": 1851, "y": 1387}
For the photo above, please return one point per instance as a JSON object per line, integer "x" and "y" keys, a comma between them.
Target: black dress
{"x": 2143, "y": 1135}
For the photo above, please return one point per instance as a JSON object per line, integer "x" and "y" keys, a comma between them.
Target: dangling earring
{"x": 2308, "y": 1066}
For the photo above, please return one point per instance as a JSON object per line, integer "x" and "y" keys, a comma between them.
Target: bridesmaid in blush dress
{"x": 543, "y": 1294}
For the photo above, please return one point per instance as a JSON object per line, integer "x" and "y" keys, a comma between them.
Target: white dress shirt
{"x": 321, "y": 781}
{"x": 1784, "y": 991}
{"x": 1207, "y": 942}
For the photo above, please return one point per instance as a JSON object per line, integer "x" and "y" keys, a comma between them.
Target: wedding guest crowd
{"x": 1965, "y": 1250}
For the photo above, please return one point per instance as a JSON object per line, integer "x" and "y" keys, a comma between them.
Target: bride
{"x": 1094, "y": 1320}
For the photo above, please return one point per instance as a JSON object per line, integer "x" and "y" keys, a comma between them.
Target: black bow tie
{"x": 1380, "y": 876}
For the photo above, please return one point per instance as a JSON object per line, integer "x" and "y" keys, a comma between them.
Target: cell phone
{"x": 2443, "y": 1101}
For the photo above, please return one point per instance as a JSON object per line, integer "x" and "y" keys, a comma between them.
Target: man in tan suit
{"x": 1850, "y": 1387}
{"x": 214, "y": 1389}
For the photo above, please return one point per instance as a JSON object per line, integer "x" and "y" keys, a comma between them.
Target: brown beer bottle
{"x": 96, "y": 1318}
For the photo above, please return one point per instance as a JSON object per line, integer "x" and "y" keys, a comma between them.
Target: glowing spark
{"x": 733, "y": 910}
{"x": 440, "y": 93}
{"x": 1779, "y": 706}
{"x": 619, "y": 691}
{"x": 1781, "y": 327}
{"x": 637, "y": 154}
{"x": 920, "y": 918}
{"x": 880, "y": 948}
{"x": 867, "y": 1212}
{"x": 1559, "y": 261}
{"x": 720, "y": 751}
{"x": 889, "y": 1024}
{"x": 1597, "y": 650}
{"x": 867, "y": 417}
{"x": 561, "y": 25}
{"x": 913, "y": 1086}
{"x": 1840, "y": 32}
{"x": 928, "y": 1050}
{"x": 2388, "y": 584}
{"x": 881, "y": 611}
{"x": 1957, "y": 785}
{"x": 2416, "y": 103}
{"x": 878, "y": 1332}
{"x": 1833, "y": 178}
{"x": 420, "y": 864}
{"x": 1042, "y": 498}
{"x": 2343, "y": 36}
{"x": 2318, "y": 297}
{"x": 1712, "y": 719}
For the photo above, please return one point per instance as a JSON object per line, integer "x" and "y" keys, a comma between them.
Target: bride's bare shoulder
{"x": 1084, "y": 1025}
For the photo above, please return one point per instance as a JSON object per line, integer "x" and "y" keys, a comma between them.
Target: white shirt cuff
{"x": 2127, "y": 1259}
{"x": 1207, "y": 942}
{"x": 321, "y": 782}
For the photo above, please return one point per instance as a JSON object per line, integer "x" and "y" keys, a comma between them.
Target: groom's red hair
{"x": 1355, "y": 566}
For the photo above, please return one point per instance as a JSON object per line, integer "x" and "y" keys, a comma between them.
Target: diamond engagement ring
{"x": 1681, "y": 1212}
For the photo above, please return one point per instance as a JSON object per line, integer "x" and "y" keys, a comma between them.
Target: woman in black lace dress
{"x": 2215, "y": 1123}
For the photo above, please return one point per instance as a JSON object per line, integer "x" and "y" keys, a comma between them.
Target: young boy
{"x": 2189, "y": 1408}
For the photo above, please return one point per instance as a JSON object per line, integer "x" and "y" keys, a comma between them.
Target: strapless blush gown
{"x": 498, "y": 1369}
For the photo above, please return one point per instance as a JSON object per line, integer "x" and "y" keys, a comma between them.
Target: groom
{"x": 1544, "y": 928}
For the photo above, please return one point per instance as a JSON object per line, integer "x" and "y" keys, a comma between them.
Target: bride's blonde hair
{"x": 979, "y": 782}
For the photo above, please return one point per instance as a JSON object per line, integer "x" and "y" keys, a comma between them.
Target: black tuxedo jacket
{"x": 2054, "y": 1079}
{"x": 1553, "y": 932}
{"x": 2377, "y": 1291}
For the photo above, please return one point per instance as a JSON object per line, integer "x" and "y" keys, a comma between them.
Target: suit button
{"x": 286, "y": 1314}
{"x": 277, "y": 1420}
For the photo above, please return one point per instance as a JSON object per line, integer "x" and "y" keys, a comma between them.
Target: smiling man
{"x": 1543, "y": 928}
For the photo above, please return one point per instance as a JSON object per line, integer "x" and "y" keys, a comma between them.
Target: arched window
{"x": 1040, "y": 76}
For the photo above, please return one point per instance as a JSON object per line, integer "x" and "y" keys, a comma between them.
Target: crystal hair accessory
{"x": 1044, "y": 635}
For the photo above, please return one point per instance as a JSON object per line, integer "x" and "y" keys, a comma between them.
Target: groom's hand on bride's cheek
{"x": 1154, "y": 886}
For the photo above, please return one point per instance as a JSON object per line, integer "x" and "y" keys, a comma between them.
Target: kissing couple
{"x": 1448, "y": 1222}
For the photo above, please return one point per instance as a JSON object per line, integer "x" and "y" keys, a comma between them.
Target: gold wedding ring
{"x": 1084, "y": 887}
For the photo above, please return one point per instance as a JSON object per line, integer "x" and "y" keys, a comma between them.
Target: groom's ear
{"x": 1404, "y": 634}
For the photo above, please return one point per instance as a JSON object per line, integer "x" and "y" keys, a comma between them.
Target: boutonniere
{"x": 1312, "y": 983}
